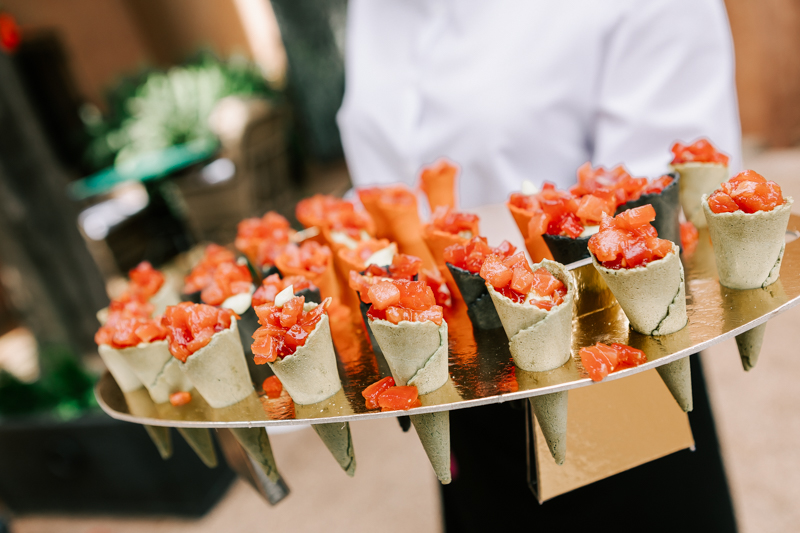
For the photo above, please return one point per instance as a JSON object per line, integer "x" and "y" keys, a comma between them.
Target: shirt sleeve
{"x": 669, "y": 76}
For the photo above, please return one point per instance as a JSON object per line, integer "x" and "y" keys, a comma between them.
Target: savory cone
{"x": 749, "y": 344}
{"x": 200, "y": 440}
{"x": 156, "y": 369}
{"x": 415, "y": 351}
{"x": 433, "y": 430}
{"x": 535, "y": 244}
{"x": 696, "y": 180}
{"x": 310, "y": 375}
{"x": 140, "y": 404}
{"x": 748, "y": 247}
{"x": 336, "y": 436}
{"x": 539, "y": 340}
{"x": 480, "y": 307}
{"x": 551, "y": 412}
{"x": 653, "y": 296}
{"x": 677, "y": 376}
{"x": 167, "y": 295}
{"x": 438, "y": 182}
{"x": 119, "y": 368}
{"x": 219, "y": 369}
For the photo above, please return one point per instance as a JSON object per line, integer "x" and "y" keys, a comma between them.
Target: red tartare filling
{"x": 310, "y": 256}
{"x": 337, "y": 214}
{"x": 628, "y": 240}
{"x": 513, "y": 278}
{"x": 601, "y": 359}
{"x": 263, "y": 239}
{"x": 599, "y": 192}
{"x": 403, "y": 267}
{"x": 145, "y": 280}
{"x": 190, "y": 327}
{"x": 228, "y": 279}
{"x": 471, "y": 256}
{"x": 284, "y": 329}
{"x": 363, "y": 251}
{"x": 700, "y": 151}
{"x": 273, "y": 284}
{"x": 748, "y": 191}
{"x": 455, "y": 223}
{"x": 272, "y": 387}
{"x": 203, "y": 272}
{"x": 396, "y": 301}
{"x": 123, "y": 331}
{"x": 384, "y": 394}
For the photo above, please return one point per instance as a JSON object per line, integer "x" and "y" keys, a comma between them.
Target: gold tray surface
{"x": 481, "y": 368}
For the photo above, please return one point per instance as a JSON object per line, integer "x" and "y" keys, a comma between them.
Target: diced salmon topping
{"x": 363, "y": 251}
{"x": 601, "y": 359}
{"x": 689, "y": 237}
{"x": 228, "y": 279}
{"x": 273, "y": 284}
{"x": 513, "y": 278}
{"x": 399, "y": 398}
{"x": 203, "y": 273}
{"x": 416, "y": 303}
{"x": 700, "y": 151}
{"x": 628, "y": 240}
{"x": 599, "y": 192}
{"x": 145, "y": 280}
{"x": 190, "y": 327}
{"x": 403, "y": 267}
{"x": 449, "y": 221}
{"x": 748, "y": 191}
{"x": 129, "y": 323}
{"x": 284, "y": 329}
{"x": 471, "y": 256}
{"x": 372, "y": 392}
{"x": 272, "y": 387}
{"x": 310, "y": 256}
{"x": 180, "y": 398}
{"x": 337, "y": 214}
{"x": 263, "y": 239}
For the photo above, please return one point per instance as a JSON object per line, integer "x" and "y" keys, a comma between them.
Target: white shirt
{"x": 529, "y": 89}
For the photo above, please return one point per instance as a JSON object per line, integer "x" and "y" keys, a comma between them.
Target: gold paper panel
{"x": 612, "y": 427}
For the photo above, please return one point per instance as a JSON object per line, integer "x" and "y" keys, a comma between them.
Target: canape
{"x": 702, "y": 168}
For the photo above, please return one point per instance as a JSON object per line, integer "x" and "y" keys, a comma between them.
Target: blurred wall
{"x": 766, "y": 35}
{"x": 175, "y": 29}
{"x": 101, "y": 39}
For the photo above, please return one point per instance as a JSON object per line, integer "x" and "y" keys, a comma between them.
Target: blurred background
{"x": 131, "y": 130}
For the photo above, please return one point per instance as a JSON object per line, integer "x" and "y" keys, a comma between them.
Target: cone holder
{"x": 480, "y": 366}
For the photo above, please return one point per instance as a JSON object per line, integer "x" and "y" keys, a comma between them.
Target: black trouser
{"x": 684, "y": 491}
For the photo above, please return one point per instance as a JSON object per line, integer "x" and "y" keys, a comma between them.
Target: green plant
{"x": 157, "y": 109}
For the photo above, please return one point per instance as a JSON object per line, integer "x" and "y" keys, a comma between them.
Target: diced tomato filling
{"x": 145, "y": 280}
{"x": 748, "y": 191}
{"x": 700, "y": 151}
{"x": 415, "y": 303}
{"x": 628, "y": 240}
{"x": 399, "y": 398}
{"x": 471, "y": 256}
{"x": 334, "y": 213}
{"x": 310, "y": 256}
{"x": 513, "y": 278}
{"x": 363, "y": 251}
{"x": 180, "y": 398}
{"x": 601, "y": 359}
{"x": 129, "y": 324}
{"x": 272, "y": 387}
{"x": 273, "y": 284}
{"x": 190, "y": 327}
{"x": 689, "y": 237}
{"x": 228, "y": 279}
{"x": 599, "y": 192}
{"x": 372, "y": 392}
{"x": 449, "y": 221}
{"x": 441, "y": 293}
{"x": 203, "y": 273}
{"x": 284, "y": 329}
{"x": 263, "y": 239}
{"x": 403, "y": 267}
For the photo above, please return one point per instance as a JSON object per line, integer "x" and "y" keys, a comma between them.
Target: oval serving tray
{"x": 481, "y": 369}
